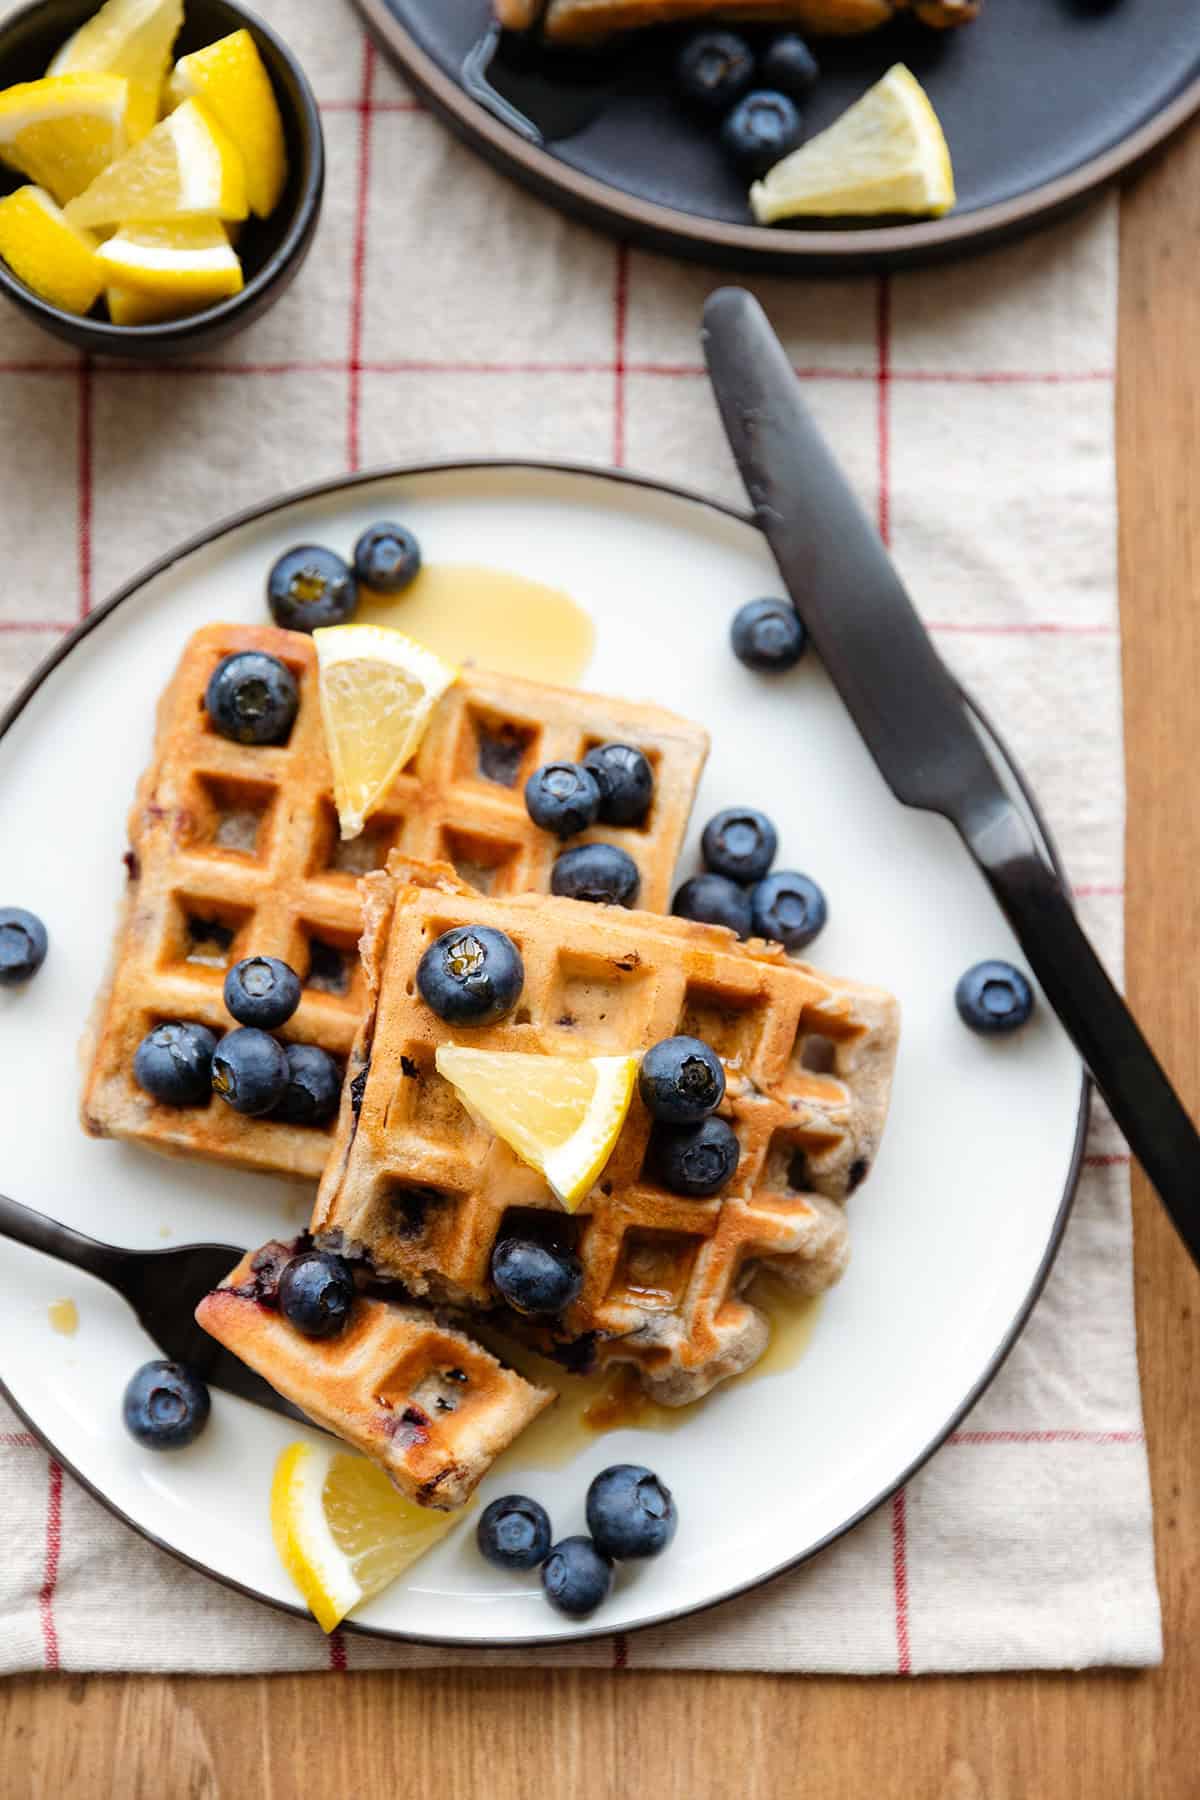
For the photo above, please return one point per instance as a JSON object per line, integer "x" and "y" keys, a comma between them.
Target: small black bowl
{"x": 272, "y": 250}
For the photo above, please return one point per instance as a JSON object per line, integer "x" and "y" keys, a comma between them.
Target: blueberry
{"x": 577, "y": 1579}
{"x": 472, "y": 975}
{"x": 625, "y": 780}
{"x": 714, "y": 69}
{"x": 316, "y": 1293}
{"x": 174, "y": 1064}
{"x": 262, "y": 991}
{"x": 714, "y": 900}
{"x": 600, "y": 873}
{"x": 536, "y": 1279}
{"x": 630, "y": 1512}
{"x": 23, "y": 945}
{"x": 311, "y": 587}
{"x": 789, "y": 66}
{"x": 252, "y": 698}
{"x": 767, "y": 635}
{"x": 166, "y": 1407}
{"x": 681, "y": 1081}
{"x": 563, "y": 798}
{"x": 789, "y": 908}
{"x": 696, "y": 1160}
{"x": 387, "y": 558}
{"x": 313, "y": 1089}
{"x": 739, "y": 843}
{"x": 760, "y": 131}
{"x": 994, "y": 997}
{"x": 250, "y": 1071}
{"x": 514, "y": 1532}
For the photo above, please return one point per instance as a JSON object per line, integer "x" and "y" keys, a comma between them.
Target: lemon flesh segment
{"x": 64, "y": 130}
{"x": 378, "y": 690}
{"x": 133, "y": 38}
{"x": 560, "y": 1114}
{"x": 342, "y": 1531}
{"x": 45, "y": 251}
{"x": 190, "y": 262}
{"x": 887, "y": 154}
{"x": 229, "y": 77}
{"x": 187, "y": 166}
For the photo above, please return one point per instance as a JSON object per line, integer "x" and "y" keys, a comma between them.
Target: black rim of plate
{"x": 587, "y": 472}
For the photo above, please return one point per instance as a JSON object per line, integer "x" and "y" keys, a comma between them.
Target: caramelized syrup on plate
{"x": 500, "y": 621}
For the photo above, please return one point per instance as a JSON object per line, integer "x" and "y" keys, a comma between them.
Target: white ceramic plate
{"x": 952, "y": 1234}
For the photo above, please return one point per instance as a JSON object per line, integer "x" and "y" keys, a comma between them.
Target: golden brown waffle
{"x": 423, "y": 1192}
{"x": 589, "y": 21}
{"x": 235, "y": 852}
{"x": 431, "y": 1407}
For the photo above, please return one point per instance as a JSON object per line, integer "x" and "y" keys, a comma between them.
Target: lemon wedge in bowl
{"x": 229, "y": 77}
{"x": 186, "y": 166}
{"x": 188, "y": 263}
{"x": 378, "y": 689}
{"x": 887, "y": 154}
{"x": 64, "y": 131}
{"x": 47, "y": 252}
{"x": 132, "y": 38}
{"x": 562, "y": 1115}
{"x": 343, "y": 1532}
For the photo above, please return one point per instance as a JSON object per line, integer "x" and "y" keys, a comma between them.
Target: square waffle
{"x": 235, "y": 852}
{"x": 423, "y": 1192}
{"x": 429, "y": 1406}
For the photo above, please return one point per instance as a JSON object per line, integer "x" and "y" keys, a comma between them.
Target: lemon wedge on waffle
{"x": 230, "y": 79}
{"x": 47, "y": 252}
{"x": 186, "y": 166}
{"x": 132, "y": 38}
{"x": 343, "y": 1532}
{"x": 887, "y": 154}
{"x": 187, "y": 264}
{"x": 562, "y": 1115}
{"x": 378, "y": 689}
{"x": 64, "y": 131}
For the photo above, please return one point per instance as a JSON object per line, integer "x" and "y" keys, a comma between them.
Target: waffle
{"x": 433, "y": 1409}
{"x": 591, "y": 21}
{"x": 422, "y": 1192}
{"x": 235, "y": 852}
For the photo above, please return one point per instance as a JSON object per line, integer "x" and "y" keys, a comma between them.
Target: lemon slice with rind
{"x": 64, "y": 130}
{"x": 186, "y": 167}
{"x": 342, "y": 1531}
{"x": 132, "y": 38}
{"x": 562, "y": 1115}
{"x": 45, "y": 251}
{"x": 189, "y": 263}
{"x": 887, "y": 154}
{"x": 378, "y": 689}
{"x": 229, "y": 77}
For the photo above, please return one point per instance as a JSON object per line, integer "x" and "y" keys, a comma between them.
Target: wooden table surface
{"x": 592, "y": 1736}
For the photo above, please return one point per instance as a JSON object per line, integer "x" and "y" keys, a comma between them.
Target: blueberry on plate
{"x": 630, "y": 1512}
{"x": 314, "y": 1086}
{"x": 174, "y": 1062}
{"x": 625, "y": 780}
{"x": 250, "y": 1071}
{"x": 563, "y": 798}
{"x": 681, "y": 1081}
{"x": 601, "y": 873}
{"x": 316, "y": 1294}
{"x": 696, "y": 1160}
{"x": 760, "y": 131}
{"x": 536, "y": 1279}
{"x": 252, "y": 698}
{"x": 576, "y": 1577}
{"x": 472, "y": 975}
{"x": 514, "y": 1532}
{"x": 768, "y": 636}
{"x": 714, "y": 69}
{"x": 739, "y": 843}
{"x": 387, "y": 558}
{"x": 789, "y": 908}
{"x": 789, "y": 66}
{"x": 262, "y": 991}
{"x": 166, "y": 1407}
{"x": 23, "y": 945}
{"x": 993, "y": 997}
{"x": 311, "y": 587}
{"x": 714, "y": 900}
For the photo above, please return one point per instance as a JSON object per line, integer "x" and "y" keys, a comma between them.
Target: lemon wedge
{"x": 229, "y": 77}
{"x": 378, "y": 689}
{"x": 887, "y": 154}
{"x": 561, "y": 1115}
{"x": 342, "y": 1531}
{"x": 188, "y": 264}
{"x": 186, "y": 166}
{"x": 64, "y": 130}
{"x": 132, "y": 38}
{"x": 47, "y": 252}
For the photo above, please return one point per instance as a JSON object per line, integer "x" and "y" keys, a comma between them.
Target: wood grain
{"x": 1106, "y": 1736}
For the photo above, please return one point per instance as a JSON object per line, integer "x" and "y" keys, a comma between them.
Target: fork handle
{"x": 37, "y": 1232}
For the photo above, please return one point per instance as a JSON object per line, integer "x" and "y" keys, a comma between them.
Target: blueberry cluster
{"x": 756, "y": 96}
{"x": 631, "y": 1515}
{"x": 681, "y": 1083}
{"x": 613, "y": 785}
{"x": 311, "y": 586}
{"x": 740, "y": 890}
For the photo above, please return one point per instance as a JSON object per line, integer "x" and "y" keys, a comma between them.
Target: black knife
{"x": 913, "y": 720}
